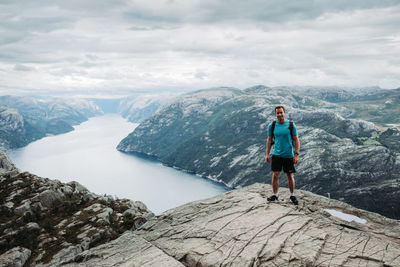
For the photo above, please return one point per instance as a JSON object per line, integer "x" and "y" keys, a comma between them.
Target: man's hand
{"x": 267, "y": 159}
{"x": 296, "y": 159}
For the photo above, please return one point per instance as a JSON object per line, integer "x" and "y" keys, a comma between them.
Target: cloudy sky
{"x": 97, "y": 46}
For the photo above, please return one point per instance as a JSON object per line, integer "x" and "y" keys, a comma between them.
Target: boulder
{"x": 48, "y": 197}
{"x": 6, "y": 166}
{"x": 15, "y": 257}
{"x": 22, "y": 209}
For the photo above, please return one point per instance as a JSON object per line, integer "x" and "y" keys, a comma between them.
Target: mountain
{"x": 107, "y": 105}
{"x": 381, "y": 107}
{"x": 48, "y": 223}
{"x": 220, "y": 134}
{"x": 26, "y": 119}
{"x": 139, "y": 107}
{"x": 44, "y": 220}
{"x": 15, "y": 131}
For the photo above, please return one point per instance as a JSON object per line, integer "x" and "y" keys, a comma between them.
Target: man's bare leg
{"x": 275, "y": 182}
{"x": 290, "y": 177}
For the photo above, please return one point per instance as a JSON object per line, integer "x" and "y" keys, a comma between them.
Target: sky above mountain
{"x": 116, "y": 46}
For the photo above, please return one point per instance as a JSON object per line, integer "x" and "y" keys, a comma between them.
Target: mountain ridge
{"x": 224, "y": 140}
{"x": 26, "y": 119}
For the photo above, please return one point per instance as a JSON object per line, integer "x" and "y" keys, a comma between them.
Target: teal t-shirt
{"x": 283, "y": 141}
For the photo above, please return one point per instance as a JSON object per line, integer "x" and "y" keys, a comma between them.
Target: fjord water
{"x": 88, "y": 155}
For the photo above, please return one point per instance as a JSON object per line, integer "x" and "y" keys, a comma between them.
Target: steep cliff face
{"x": 176, "y": 123}
{"x": 240, "y": 228}
{"x": 45, "y": 221}
{"x": 221, "y": 134}
{"x": 24, "y": 119}
{"x": 15, "y": 131}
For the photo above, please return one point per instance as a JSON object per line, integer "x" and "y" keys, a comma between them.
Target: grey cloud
{"x": 68, "y": 71}
{"x": 27, "y": 55}
{"x": 9, "y": 37}
{"x": 276, "y": 11}
{"x": 148, "y": 43}
{"x": 201, "y": 75}
{"x": 86, "y": 8}
{"x": 92, "y": 57}
{"x": 144, "y": 28}
{"x": 20, "y": 67}
{"x": 152, "y": 17}
{"x": 134, "y": 28}
{"x": 88, "y": 64}
{"x": 253, "y": 74}
{"x": 93, "y": 7}
{"x": 33, "y": 24}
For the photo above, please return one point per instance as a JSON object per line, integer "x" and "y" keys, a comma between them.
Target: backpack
{"x": 290, "y": 128}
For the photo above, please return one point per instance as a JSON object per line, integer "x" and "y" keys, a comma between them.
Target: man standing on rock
{"x": 282, "y": 132}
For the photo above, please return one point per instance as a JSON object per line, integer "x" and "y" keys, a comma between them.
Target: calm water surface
{"x": 88, "y": 155}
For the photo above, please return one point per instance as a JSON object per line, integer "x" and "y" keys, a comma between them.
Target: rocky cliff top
{"x": 240, "y": 228}
{"x": 45, "y": 221}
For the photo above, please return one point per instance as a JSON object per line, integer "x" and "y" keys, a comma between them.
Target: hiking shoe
{"x": 294, "y": 200}
{"x": 272, "y": 198}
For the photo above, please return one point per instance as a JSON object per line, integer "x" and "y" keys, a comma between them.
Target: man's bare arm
{"x": 296, "y": 148}
{"x": 269, "y": 141}
{"x": 269, "y": 144}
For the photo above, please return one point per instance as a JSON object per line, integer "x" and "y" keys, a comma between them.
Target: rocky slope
{"x": 14, "y": 130}
{"x": 221, "y": 134}
{"x": 25, "y": 119}
{"x": 44, "y": 222}
{"x": 240, "y": 228}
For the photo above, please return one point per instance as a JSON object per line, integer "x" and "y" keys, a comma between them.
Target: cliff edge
{"x": 239, "y": 228}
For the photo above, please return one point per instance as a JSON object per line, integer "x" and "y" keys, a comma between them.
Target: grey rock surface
{"x": 55, "y": 221}
{"x": 15, "y": 257}
{"x": 240, "y": 228}
{"x": 6, "y": 166}
{"x": 128, "y": 250}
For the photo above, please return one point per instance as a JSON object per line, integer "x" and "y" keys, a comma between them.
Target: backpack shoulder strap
{"x": 291, "y": 132}
{"x": 291, "y": 128}
{"x": 273, "y": 128}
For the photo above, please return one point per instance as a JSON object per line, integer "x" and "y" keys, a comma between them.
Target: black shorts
{"x": 277, "y": 163}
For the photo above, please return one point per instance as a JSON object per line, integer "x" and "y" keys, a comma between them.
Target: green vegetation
{"x": 380, "y": 108}
{"x": 391, "y": 139}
